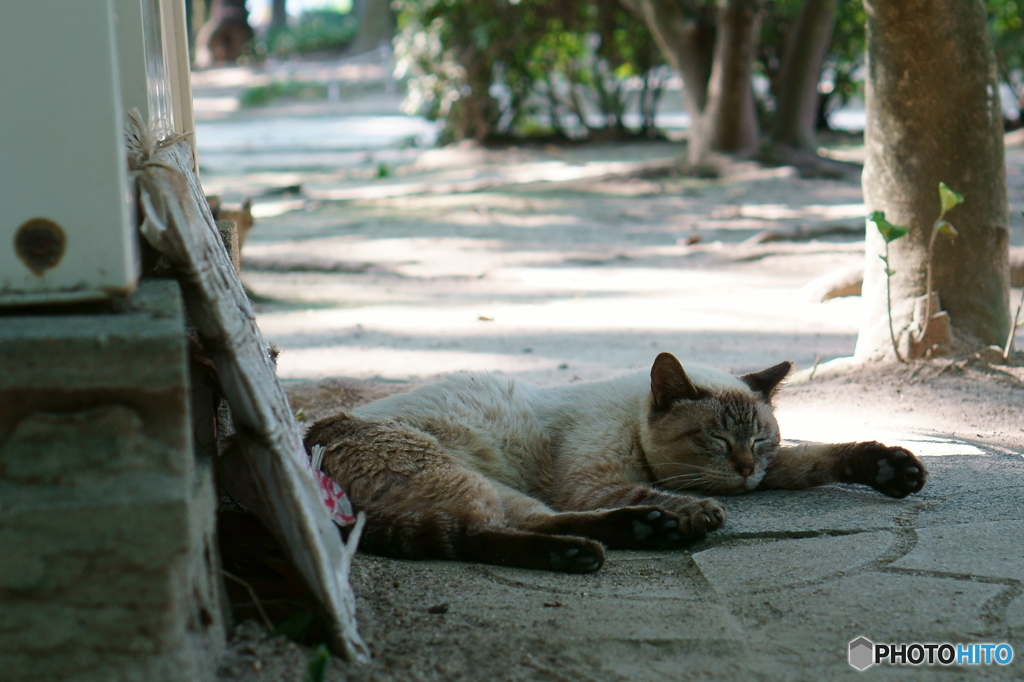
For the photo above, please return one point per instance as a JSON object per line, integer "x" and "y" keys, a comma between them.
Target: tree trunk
{"x": 797, "y": 98}
{"x": 278, "y": 15}
{"x": 729, "y": 121}
{"x": 472, "y": 116}
{"x": 715, "y": 58}
{"x": 687, "y": 43}
{"x": 376, "y": 25}
{"x": 225, "y": 34}
{"x": 933, "y": 114}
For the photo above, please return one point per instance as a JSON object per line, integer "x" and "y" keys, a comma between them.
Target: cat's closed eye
{"x": 721, "y": 444}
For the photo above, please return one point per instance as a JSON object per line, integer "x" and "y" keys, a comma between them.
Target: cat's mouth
{"x": 738, "y": 484}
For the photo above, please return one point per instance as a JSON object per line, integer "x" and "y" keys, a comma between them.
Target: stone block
{"x": 109, "y": 568}
{"x": 820, "y": 620}
{"x": 1014, "y": 615}
{"x": 991, "y": 550}
{"x": 829, "y": 508}
{"x": 769, "y": 565}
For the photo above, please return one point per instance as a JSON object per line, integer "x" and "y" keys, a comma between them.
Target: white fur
{"x": 510, "y": 430}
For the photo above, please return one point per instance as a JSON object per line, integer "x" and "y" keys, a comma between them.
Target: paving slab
{"x": 831, "y": 508}
{"x": 994, "y": 550}
{"x": 757, "y": 566}
{"x": 627, "y": 575}
{"x": 997, "y": 504}
{"x": 810, "y": 627}
{"x": 1015, "y": 615}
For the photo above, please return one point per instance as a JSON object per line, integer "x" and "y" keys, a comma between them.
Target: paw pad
{"x": 885, "y": 472}
{"x": 641, "y": 531}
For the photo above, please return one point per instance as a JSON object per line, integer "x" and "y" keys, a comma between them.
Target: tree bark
{"x": 686, "y": 41}
{"x": 225, "y": 34}
{"x": 729, "y": 121}
{"x": 376, "y": 25}
{"x": 797, "y": 98}
{"x": 715, "y": 58}
{"x": 933, "y": 114}
{"x": 278, "y": 14}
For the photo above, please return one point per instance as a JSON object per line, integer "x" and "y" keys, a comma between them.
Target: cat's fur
{"x": 484, "y": 468}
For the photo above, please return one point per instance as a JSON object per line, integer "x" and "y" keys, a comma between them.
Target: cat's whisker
{"x": 697, "y": 481}
{"x": 695, "y": 470}
{"x": 685, "y": 477}
{"x": 692, "y": 471}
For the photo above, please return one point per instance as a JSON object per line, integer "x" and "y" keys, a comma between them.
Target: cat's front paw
{"x": 659, "y": 528}
{"x": 654, "y": 527}
{"x": 574, "y": 555}
{"x": 699, "y": 518}
{"x": 895, "y": 471}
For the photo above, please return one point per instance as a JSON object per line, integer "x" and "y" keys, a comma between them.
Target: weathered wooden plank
{"x": 272, "y": 470}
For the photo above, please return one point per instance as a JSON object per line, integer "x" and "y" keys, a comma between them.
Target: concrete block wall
{"x": 108, "y": 564}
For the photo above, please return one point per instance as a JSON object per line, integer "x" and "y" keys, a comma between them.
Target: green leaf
{"x": 295, "y": 627}
{"x": 948, "y": 197}
{"x": 889, "y": 232}
{"x": 318, "y": 664}
{"x": 946, "y": 228}
{"x": 888, "y": 272}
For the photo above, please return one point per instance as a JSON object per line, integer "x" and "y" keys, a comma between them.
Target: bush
{"x": 527, "y": 67}
{"x": 842, "y": 72}
{"x": 288, "y": 90}
{"x": 315, "y": 31}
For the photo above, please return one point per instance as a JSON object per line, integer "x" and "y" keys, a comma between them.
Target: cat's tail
{"x": 422, "y": 503}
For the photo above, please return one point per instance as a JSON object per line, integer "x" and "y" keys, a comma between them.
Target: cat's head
{"x": 708, "y": 430}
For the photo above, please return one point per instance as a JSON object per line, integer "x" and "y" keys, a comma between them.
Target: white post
{"x": 66, "y": 231}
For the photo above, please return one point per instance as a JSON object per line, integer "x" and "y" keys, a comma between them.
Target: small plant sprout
{"x": 889, "y": 233}
{"x": 948, "y": 200}
{"x": 317, "y": 666}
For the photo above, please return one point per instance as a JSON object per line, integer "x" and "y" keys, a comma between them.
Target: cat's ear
{"x": 767, "y": 381}
{"x": 669, "y": 382}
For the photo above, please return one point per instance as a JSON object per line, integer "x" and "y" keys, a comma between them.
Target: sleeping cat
{"x": 488, "y": 469}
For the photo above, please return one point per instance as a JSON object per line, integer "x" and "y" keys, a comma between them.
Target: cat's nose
{"x": 744, "y": 470}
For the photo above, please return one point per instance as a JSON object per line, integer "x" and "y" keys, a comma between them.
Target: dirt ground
{"x": 552, "y": 275}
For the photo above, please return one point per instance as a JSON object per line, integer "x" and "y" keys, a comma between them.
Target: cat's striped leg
{"x": 627, "y": 528}
{"x": 895, "y": 471}
{"x": 636, "y": 516}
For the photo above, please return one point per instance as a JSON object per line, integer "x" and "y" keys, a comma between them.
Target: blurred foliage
{"x": 322, "y": 30}
{"x": 289, "y": 90}
{"x": 572, "y": 67}
{"x": 842, "y": 78}
{"x": 1006, "y": 25}
{"x": 529, "y": 67}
